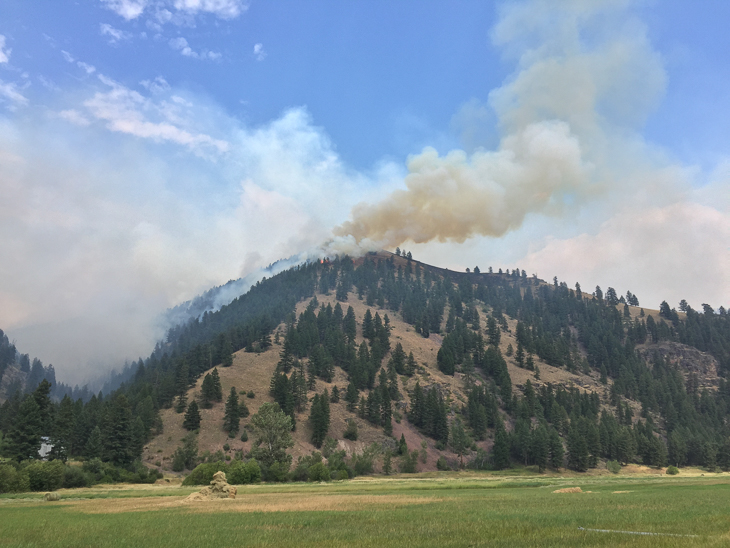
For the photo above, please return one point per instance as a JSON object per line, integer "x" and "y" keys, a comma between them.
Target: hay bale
{"x": 218, "y": 489}
{"x": 51, "y": 497}
{"x": 569, "y": 490}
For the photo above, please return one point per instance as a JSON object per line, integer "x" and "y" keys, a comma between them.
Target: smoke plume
{"x": 567, "y": 118}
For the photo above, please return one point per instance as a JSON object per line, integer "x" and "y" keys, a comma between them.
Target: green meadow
{"x": 435, "y": 510}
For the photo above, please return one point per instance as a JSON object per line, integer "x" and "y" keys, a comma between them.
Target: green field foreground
{"x": 436, "y": 510}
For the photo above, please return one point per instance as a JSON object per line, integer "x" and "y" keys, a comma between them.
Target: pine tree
{"x": 192, "y": 417}
{"x": 117, "y": 432}
{"x": 94, "y": 448}
{"x": 460, "y": 441}
{"x": 207, "y": 392}
{"x": 351, "y": 397}
{"x": 217, "y": 388}
{"x": 500, "y": 450}
{"x": 231, "y": 419}
{"x": 24, "y": 439}
{"x": 319, "y": 418}
{"x": 555, "y": 448}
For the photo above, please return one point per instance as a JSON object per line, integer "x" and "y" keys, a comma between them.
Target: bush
{"x": 409, "y": 463}
{"x": 613, "y": 466}
{"x": 244, "y": 436}
{"x": 45, "y": 476}
{"x": 672, "y": 470}
{"x": 203, "y": 473}
{"x": 442, "y": 465}
{"x": 342, "y": 475}
{"x": 244, "y": 472}
{"x": 318, "y": 472}
{"x": 226, "y": 447}
{"x": 12, "y": 480}
{"x": 351, "y": 430}
{"x": 277, "y": 472}
{"x": 74, "y": 476}
{"x": 250, "y": 394}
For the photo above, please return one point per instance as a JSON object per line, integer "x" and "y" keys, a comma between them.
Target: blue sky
{"x": 152, "y": 148}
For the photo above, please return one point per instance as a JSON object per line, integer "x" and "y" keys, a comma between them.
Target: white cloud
{"x": 74, "y": 116}
{"x": 86, "y": 67}
{"x": 225, "y": 9}
{"x": 128, "y": 9}
{"x": 156, "y": 86}
{"x": 181, "y": 44}
{"x": 258, "y": 52}
{"x": 127, "y": 111}
{"x": 89, "y": 69}
{"x": 132, "y": 9}
{"x": 9, "y": 93}
{"x": 4, "y": 52}
{"x": 115, "y": 35}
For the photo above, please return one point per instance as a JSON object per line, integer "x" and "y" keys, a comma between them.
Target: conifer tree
{"x": 217, "y": 388}
{"x": 351, "y": 397}
{"x": 500, "y": 450}
{"x": 192, "y": 417}
{"x": 555, "y": 448}
{"x": 24, "y": 439}
{"x": 231, "y": 419}
{"x": 94, "y": 448}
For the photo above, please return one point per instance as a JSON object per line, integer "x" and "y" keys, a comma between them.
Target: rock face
{"x": 218, "y": 489}
{"x": 689, "y": 360}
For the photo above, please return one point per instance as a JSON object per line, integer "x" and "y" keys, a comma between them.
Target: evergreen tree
{"x": 231, "y": 419}
{"x": 217, "y": 388}
{"x": 351, "y": 397}
{"x": 556, "y": 449}
{"x": 192, "y": 417}
{"x": 319, "y": 418}
{"x": 117, "y": 432}
{"x": 94, "y": 447}
{"x": 500, "y": 450}
{"x": 460, "y": 441}
{"x": 24, "y": 439}
{"x": 577, "y": 450}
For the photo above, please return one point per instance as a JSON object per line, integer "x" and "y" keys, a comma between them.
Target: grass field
{"x": 434, "y": 510}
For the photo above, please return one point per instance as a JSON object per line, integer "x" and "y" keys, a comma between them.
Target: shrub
{"x": 409, "y": 463}
{"x": 351, "y": 430}
{"x": 45, "y": 476}
{"x": 238, "y": 474}
{"x": 254, "y": 471}
{"x": 442, "y": 465}
{"x": 342, "y": 475}
{"x": 672, "y": 470}
{"x": 277, "y": 472}
{"x": 12, "y": 480}
{"x": 226, "y": 447}
{"x": 613, "y": 466}
{"x": 203, "y": 473}
{"x": 250, "y": 394}
{"x": 318, "y": 472}
{"x": 244, "y": 436}
{"x": 73, "y": 476}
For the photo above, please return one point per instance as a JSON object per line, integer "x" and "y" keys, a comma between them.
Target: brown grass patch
{"x": 274, "y": 502}
{"x": 619, "y": 492}
{"x": 569, "y": 490}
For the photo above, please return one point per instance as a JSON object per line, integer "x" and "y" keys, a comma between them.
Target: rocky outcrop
{"x": 688, "y": 359}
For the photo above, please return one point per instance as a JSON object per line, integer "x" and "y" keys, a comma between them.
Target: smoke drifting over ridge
{"x": 455, "y": 197}
{"x": 567, "y": 118}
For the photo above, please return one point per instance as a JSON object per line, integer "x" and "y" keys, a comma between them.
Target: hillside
{"x": 485, "y": 370}
{"x": 252, "y": 371}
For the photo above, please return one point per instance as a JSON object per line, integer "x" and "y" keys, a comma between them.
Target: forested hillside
{"x": 524, "y": 373}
